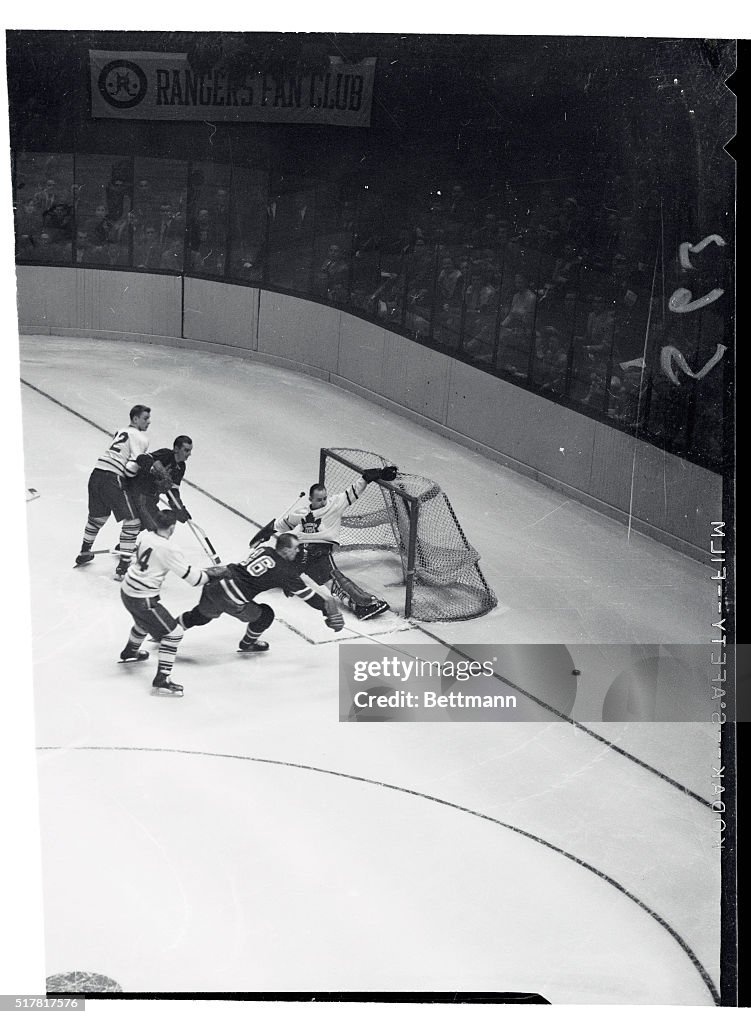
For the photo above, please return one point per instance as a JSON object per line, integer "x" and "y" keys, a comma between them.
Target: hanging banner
{"x": 163, "y": 87}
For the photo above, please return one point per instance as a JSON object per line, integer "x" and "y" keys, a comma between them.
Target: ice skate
{"x": 133, "y": 654}
{"x": 370, "y": 611}
{"x": 163, "y": 685}
{"x": 121, "y": 569}
{"x": 84, "y": 558}
{"x": 252, "y": 646}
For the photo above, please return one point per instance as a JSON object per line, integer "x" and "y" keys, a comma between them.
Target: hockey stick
{"x": 390, "y": 647}
{"x": 198, "y": 532}
{"x": 204, "y": 541}
{"x": 292, "y": 504}
{"x": 262, "y": 536}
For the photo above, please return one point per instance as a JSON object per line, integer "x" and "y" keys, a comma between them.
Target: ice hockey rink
{"x": 243, "y": 839}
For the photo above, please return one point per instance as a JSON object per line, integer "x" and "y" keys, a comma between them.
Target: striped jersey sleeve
{"x": 120, "y": 457}
{"x": 154, "y": 557}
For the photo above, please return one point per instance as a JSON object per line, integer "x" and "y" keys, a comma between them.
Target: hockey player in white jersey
{"x": 155, "y": 556}
{"x": 107, "y": 494}
{"x": 318, "y": 523}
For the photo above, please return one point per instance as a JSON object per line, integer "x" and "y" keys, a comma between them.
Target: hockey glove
{"x": 182, "y": 515}
{"x": 264, "y": 534}
{"x": 335, "y": 621}
{"x": 145, "y": 461}
{"x": 215, "y": 571}
{"x": 382, "y": 473}
{"x": 161, "y": 477}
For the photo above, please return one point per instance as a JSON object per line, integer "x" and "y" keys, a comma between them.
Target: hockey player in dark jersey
{"x": 162, "y": 477}
{"x": 235, "y": 594}
{"x": 317, "y": 522}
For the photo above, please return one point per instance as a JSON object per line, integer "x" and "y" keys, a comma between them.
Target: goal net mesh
{"x": 448, "y": 582}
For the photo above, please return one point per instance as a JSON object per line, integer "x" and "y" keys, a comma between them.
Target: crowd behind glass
{"x": 550, "y": 284}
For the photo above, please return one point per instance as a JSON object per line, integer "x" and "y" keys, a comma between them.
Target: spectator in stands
{"x": 100, "y": 227}
{"x": 28, "y": 223}
{"x": 566, "y": 270}
{"x": 449, "y": 284}
{"x": 626, "y": 391}
{"x": 481, "y": 295}
{"x": 116, "y": 254}
{"x": 383, "y": 302}
{"x": 332, "y": 276}
{"x": 171, "y": 227}
{"x": 84, "y": 250}
{"x": 50, "y": 251}
{"x": 221, "y": 208}
{"x": 147, "y": 253}
{"x": 47, "y": 195}
{"x": 206, "y": 245}
{"x": 598, "y": 335}
{"x": 300, "y": 217}
{"x": 481, "y": 299}
{"x": 522, "y": 308}
{"x": 551, "y": 361}
{"x": 516, "y": 327}
{"x": 119, "y": 196}
{"x": 57, "y": 218}
{"x": 247, "y": 260}
{"x": 143, "y": 196}
{"x": 458, "y": 219}
{"x": 172, "y": 256}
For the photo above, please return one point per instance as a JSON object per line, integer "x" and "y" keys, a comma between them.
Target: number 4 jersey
{"x": 154, "y": 557}
{"x": 120, "y": 457}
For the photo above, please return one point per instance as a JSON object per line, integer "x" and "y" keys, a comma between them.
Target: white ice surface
{"x": 197, "y": 871}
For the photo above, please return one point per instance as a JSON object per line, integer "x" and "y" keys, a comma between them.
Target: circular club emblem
{"x": 122, "y": 84}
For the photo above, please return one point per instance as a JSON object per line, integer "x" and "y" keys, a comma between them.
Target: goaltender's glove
{"x": 265, "y": 533}
{"x": 381, "y": 473}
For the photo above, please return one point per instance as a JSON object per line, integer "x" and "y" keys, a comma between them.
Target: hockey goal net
{"x": 413, "y": 517}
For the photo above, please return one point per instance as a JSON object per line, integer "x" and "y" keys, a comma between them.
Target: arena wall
{"x": 673, "y": 500}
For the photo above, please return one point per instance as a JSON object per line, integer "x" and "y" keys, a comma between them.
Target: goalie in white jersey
{"x": 107, "y": 488}
{"x": 155, "y": 556}
{"x": 318, "y": 523}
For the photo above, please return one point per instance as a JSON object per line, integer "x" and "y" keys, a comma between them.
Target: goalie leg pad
{"x": 362, "y": 603}
{"x": 347, "y": 590}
